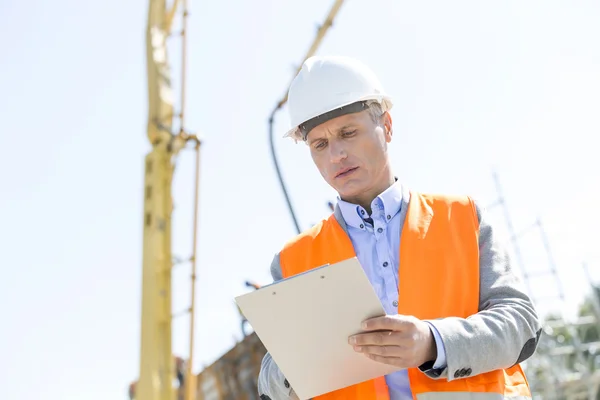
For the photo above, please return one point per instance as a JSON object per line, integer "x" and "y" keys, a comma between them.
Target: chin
{"x": 350, "y": 189}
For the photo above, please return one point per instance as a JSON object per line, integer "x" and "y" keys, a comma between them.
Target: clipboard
{"x": 304, "y": 323}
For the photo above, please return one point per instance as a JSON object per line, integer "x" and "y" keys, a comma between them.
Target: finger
{"x": 386, "y": 360}
{"x": 388, "y": 322}
{"x": 386, "y": 351}
{"x": 381, "y": 338}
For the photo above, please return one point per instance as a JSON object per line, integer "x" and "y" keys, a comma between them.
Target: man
{"x": 458, "y": 323}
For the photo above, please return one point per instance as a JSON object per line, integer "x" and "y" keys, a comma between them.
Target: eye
{"x": 320, "y": 144}
{"x": 348, "y": 133}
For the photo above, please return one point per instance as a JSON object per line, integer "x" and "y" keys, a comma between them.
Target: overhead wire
{"x": 312, "y": 50}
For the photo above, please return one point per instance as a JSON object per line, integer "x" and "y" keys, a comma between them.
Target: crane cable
{"x": 313, "y": 48}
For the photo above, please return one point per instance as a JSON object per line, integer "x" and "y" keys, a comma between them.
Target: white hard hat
{"x": 327, "y": 87}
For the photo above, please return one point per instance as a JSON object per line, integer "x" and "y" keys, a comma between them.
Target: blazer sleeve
{"x": 272, "y": 385}
{"x": 504, "y": 332}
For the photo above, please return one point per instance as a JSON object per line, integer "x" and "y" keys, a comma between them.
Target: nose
{"x": 337, "y": 151}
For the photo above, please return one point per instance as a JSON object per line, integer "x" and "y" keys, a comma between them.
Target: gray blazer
{"x": 503, "y": 333}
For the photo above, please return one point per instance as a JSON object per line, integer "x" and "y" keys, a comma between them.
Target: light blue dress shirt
{"x": 377, "y": 248}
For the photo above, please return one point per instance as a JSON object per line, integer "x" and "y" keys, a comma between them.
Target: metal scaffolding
{"x": 564, "y": 366}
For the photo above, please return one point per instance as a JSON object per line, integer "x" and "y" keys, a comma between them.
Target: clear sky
{"x": 513, "y": 86}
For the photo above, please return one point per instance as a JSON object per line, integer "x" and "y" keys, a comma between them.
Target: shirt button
{"x": 389, "y": 216}
{"x": 362, "y": 212}
{"x": 385, "y": 264}
{"x": 379, "y": 230}
{"x": 361, "y": 226}
{"x": 395, "y": 303}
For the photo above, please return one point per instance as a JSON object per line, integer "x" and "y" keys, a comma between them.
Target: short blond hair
{"x": 375, "y": 110}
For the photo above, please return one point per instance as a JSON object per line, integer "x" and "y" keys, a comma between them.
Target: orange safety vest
{"x": 438, "y": 277}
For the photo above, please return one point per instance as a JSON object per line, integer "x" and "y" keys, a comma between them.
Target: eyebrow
{"x": 339, "y": 130}
{"x": 345, "y": 127}
{"x": 311, "y": 141}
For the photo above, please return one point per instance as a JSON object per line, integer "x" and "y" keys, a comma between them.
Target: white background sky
{"x": 508, "y": 85}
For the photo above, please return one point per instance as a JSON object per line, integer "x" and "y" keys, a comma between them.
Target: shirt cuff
{"x": 440, "y": 362}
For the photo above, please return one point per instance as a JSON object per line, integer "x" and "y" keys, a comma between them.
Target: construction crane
{"x": 157, "y": 363}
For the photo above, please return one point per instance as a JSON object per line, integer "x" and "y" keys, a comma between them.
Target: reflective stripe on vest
{"x": 439, "y": 244}
{"x": 467, "y": 395}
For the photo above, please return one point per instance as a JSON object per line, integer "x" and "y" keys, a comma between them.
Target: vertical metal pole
{"x": 183, "y": 64}
{"x": 190, "y": 389}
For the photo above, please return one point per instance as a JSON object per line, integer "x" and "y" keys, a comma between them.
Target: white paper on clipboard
{"x": 305, "y": 321}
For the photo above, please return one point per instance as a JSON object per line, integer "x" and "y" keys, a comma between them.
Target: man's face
{"x": 350, "y": 152}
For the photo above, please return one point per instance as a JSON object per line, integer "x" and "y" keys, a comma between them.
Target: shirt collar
{"x": 384, "y": 207}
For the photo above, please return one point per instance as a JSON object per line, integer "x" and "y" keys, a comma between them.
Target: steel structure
{"x": 156, "y": 358}
{"x": 549, "y": 371}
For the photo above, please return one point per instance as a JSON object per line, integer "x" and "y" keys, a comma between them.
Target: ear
{"x": 387, "y": 125}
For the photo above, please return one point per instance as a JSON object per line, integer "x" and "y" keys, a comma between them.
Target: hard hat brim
{"x": 384, "y": 100}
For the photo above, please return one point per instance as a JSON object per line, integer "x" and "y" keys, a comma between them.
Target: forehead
{"x": 335, "y": 125}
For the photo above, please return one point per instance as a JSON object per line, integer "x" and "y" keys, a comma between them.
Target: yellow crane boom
{"x": 156, "y": 358}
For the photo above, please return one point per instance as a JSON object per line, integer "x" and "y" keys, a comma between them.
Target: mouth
{"x": 345, "y": 172}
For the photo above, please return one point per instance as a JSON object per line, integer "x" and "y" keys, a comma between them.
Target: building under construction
{"x": 567, "y": 365}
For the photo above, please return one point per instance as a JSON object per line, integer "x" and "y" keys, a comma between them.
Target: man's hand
{"x": 399, "y": 340}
